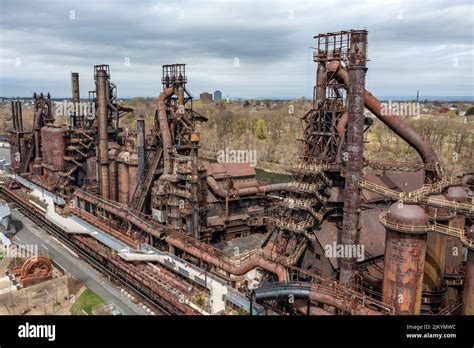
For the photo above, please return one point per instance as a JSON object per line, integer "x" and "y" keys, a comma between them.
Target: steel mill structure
{"x": 193, "y": 237}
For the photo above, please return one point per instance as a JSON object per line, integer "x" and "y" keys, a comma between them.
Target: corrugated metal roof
{"x": 372, "y": 234}
{"x": 408, "y": 181}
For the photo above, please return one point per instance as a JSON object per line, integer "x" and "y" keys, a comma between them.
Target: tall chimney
{"x": 355, "y": 143}
{"x": 19, "y": 116}
{"x": 14, "y": 116}
{"x": 101, "y": 87}
{"x": 141, "y": 145}
{"x": 76, "y": 120}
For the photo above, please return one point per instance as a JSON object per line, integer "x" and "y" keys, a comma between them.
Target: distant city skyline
{"x": 246, "y": 49}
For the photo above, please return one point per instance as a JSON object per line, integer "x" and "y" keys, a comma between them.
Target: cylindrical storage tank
{"x": 405, "y": 247}
{"x": 468, "y": 291}
{"x": 122, "y": 159}
{"x": 434, "y": 289}
{"x": 454, "y": 248}
{"x": 113, "y": 173}
{"x": 132, "y": 175}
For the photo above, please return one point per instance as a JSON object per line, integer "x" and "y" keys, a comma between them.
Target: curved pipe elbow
{"x": 164, "y": 127}
{"x": 395, "y": 123}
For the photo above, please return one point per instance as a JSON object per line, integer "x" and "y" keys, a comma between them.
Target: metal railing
{"x": 421, "y": 195}
{"x": 431, "y": 226}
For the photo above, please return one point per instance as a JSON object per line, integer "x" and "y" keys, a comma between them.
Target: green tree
{"x": 241, "y": 126}
{"x": 260, "y": 129}
{"x": 470, "y": 111}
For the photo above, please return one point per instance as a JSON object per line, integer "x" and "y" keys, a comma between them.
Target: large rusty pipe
{"x": 103, "y": 132}
{"x": 119, "y": 212}
{"x": 247, "y": 191}
{"x": 328, "y": 295}
{"x": 342, "y": 123}
{"x": 395, "y": 123}
{"x": 165, "y": 129}
{"x": 320, "y": 294}
{"x": 252, "y": 262}
{"x": 320, "y": 84}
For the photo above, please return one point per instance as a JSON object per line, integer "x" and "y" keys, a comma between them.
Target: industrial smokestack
{"x": 19, "y": 116}
{"x": 355, "y": 144}
{"x": 101, "y": 87}
{"x": 141, "y": 145}
{"x": 14, "y": 116}
{"x": 76, "y": 120}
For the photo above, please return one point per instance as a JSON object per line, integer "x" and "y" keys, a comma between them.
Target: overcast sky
{"x": 425, "y": 45}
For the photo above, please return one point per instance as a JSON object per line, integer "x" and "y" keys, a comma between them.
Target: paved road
{"x": 30, "y": 233}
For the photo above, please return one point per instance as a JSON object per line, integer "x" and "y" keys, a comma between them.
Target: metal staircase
{"x": 146, "y": 180}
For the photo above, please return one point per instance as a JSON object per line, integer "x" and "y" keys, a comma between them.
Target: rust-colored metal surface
{"x": 395, "y": 123}
{"x": 113, "y": 174}
{"x": 404, "y": 259}
{"x": 123, "y": 177}
{"x": 77, "y": 120}
{"x": 53, "y": 149}
{"x": 132, "y": 175}
{"x": 468, "y": 291}
{"x": 164, "y": 127}
{"x": 34, "y": 270}
{"x": 153, "y": 188}
{"x": 102, "y": 117}
{"x": 355, "y": 143}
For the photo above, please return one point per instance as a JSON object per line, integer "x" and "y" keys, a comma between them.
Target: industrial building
{"x": 205, "y": 97}
{"x": 217, "y": 95}
{"x": 193, "y": 237}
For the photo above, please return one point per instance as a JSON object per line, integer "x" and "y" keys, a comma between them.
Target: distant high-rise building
{"x": 206, "y": 97}
{"x": 217, "y": 95}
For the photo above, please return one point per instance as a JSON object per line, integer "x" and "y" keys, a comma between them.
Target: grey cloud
{"x": 411, "y": 44}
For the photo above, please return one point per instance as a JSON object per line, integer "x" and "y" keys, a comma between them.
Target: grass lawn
{"x": 87, "y": 301}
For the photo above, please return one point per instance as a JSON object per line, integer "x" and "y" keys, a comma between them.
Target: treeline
{"x": 272, "y": 128}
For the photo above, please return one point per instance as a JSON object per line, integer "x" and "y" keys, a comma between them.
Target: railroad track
{"x": 88, "y": 255}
